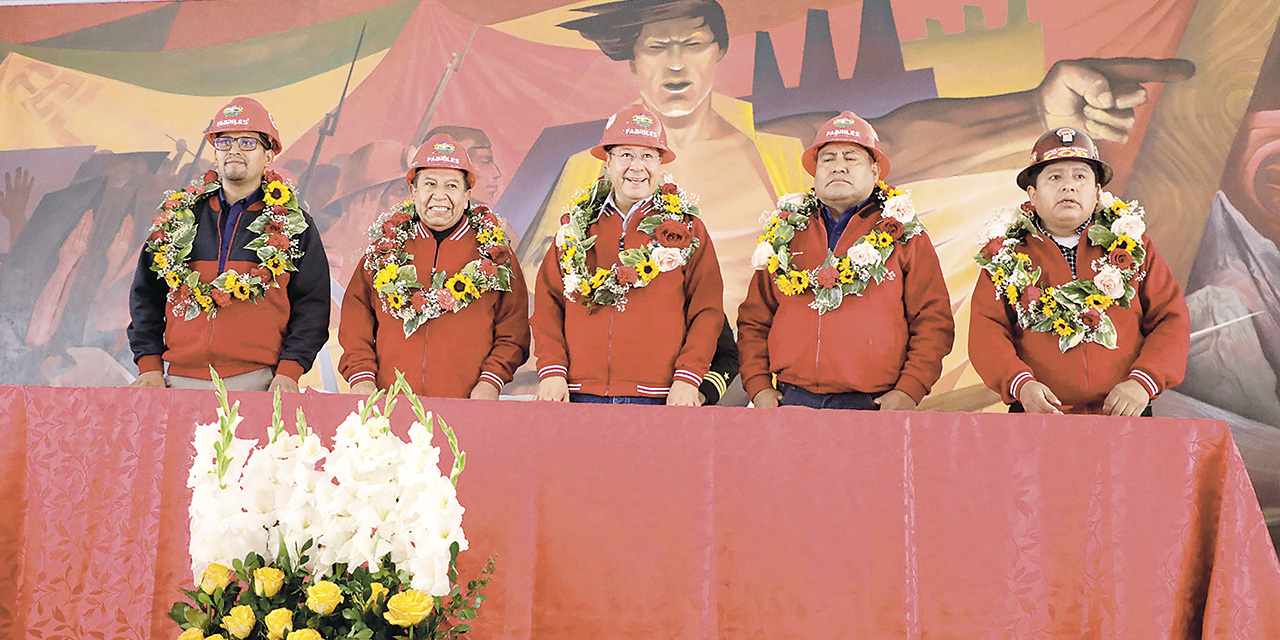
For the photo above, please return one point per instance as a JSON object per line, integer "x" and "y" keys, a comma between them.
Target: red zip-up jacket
{"x": 1153, "y": 335}
{"x": 283, "y": 331}
{"x": 894, "y": 336}
{"x": 667, "y": 332}
{"x": 445, "y": 357}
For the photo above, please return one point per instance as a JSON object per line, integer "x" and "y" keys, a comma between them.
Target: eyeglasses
{"x": 246, "y": 143}
{"x": 648, "y": 159}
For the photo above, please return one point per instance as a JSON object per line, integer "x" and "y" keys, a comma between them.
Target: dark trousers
{"x": 587, "y": 398}
{"x": 1017, "y": 408}
{"x": 800, "y": 397}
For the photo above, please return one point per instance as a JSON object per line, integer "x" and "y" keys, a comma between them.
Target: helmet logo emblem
{"x": 443, "y": 147}
{"x": 1067, "y": 136}
{"x": 232, "y": 111}
{"x": 642, "y": 120}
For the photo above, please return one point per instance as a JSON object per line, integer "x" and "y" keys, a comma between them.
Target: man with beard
{"x": 848, "y": 307}
{"x": 233, "y": 274}
{"x": 1074, "y": 311}
{"x": 438, "y": 295}
{"x": 628, "y": 302}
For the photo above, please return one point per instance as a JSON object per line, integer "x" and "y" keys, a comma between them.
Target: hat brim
{"x": 600, "y": 152}
{"x": 1104, "y": 171}
{"x": 810, "y": 157}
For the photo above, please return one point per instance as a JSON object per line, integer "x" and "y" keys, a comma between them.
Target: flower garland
{"x": 1077, "y": 311}
{"x": 396, "y": 277}
{"x": 173, "y": 231}
{"x": 672, "y": 247}
{"x": 837, "y": 276}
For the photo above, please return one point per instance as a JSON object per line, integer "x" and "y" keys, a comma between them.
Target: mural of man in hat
{"x": 438, "y": 295}
{"x": 848, "y": 307}
{"x": 1075, "y": 311}
{"x": 233, "y": 274}
{"x": 674, "y": 48}
{"x": 627, "y": 308}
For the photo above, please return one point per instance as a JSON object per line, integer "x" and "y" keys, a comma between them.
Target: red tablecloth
{"x": 654, "y": 522}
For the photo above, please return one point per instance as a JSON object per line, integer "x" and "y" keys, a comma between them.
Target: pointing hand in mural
{"x": 1099, "y": 95}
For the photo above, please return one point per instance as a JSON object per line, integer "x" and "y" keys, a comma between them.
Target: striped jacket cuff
{"x": 1016, "y": 384}
{"x": 553, "y": 370}
{"x": 1146, "y": 381}
{"x": 360, "y": 376}
{"x": 688, "y": 376}
{"x": 718, "y": 380}
{"x": 492, "y": 378}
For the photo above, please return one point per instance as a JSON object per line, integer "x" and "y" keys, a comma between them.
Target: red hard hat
{"x": 245, "y": 114}
{"x": 846, "y": 127}
{"x": 1064, "y": 143}
{"x": 636, "y": 126}
{"x": 441, "y": 151}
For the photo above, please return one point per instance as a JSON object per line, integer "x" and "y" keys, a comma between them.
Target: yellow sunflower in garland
{"x": 173, "y": 280}
{"x": 276, "y": 264}
{"x": 395, "y": 300}
{"x": 462, "y": 287}
{"x": 1062, "y": 327}
{"x": 799, "y": 281}
{"x": 647, "y": 270}
{"x": 599, "y": 278}
{"x": 1098, "y": 302}
{"x": 277, "y": 193}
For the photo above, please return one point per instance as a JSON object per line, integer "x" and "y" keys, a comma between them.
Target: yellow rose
{"x": 267, "y": 581}
{"x": 215, "y": 577}
{"x": 194, "y": 633}
{"x": 239, "y": 622}
{"x": 278, "y": 622}
{"x": 377, "y": 594}
{"x": 323, "y": 597}
{"x": 408, "y": 608}
{"x": 305, "y": 634}
{"x": 216, "y": 636}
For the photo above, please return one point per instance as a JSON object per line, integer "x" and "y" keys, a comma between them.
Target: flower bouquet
{"x": 294, "y": 541}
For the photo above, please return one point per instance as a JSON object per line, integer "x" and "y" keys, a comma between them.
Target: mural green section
{"x": 144, "y": 32}
{"x": 247, "y": 66}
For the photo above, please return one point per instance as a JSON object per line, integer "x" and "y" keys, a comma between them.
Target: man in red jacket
{"x": 627, "y": 308}
{"x": 1074, "y": 311}
{"x": 847, "y": 307}
{"x": 438, "y": 295}
{"x": 233, "y": 274}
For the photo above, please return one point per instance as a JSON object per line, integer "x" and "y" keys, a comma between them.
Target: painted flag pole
{"x": 330, "y": 124}
{"x": 454, "y": 65}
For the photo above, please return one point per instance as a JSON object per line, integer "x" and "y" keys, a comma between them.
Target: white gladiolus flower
{"x": 565, "y": 231}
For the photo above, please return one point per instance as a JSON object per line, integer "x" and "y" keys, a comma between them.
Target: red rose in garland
{"x": 500, "y": 254}
{"x": 1031, "y": 294}
{"x": 673, "y": 234}
{"x": 279, "y": 241}
{"x": 419, "y": 300}
{"x": 273, "y": 227}
{"x": 488, "y": 268}
{"x": 1091, "y": 318}
{"x": 210, "y": 176}
{"x": 891, "y": 227}
{"x": 669, "y": 189}
{"x": 1120, "y": 258}
{"x": 221, "y": 298}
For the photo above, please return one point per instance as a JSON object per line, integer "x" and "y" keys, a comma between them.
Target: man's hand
{"x": 13, "y": 199}
{"x": 896, "y": 400}
{"x": 284, "y": 383}
{"x": 149, "y": 379}
{"x": 364, "y": 388}
{"x": 1037, "y": 398}
{"x": 683, "y": 394}
{"x": 767, "y": 399}
{"x": 1129, "y": 398}
{"x": 554, "y": 388}
{"x": 484, "y": 391}
{"x": 1098, "y": 95}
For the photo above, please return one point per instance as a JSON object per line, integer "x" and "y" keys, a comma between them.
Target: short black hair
{"x": 616, "y": 26}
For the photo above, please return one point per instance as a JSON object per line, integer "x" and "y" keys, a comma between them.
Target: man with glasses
{"x": 627, "y": 308}
{"x": 233, "y": 274}
{"x": 847, "y": 308}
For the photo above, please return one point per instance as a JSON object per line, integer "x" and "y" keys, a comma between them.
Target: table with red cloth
{"x": 657, "y": 522}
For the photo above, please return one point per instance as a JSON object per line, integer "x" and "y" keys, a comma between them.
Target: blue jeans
{"x": 800, "y": 397}
{"x": 587, "y": 398}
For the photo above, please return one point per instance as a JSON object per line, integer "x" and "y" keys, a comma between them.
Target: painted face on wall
{"x": 675, "y": 64}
